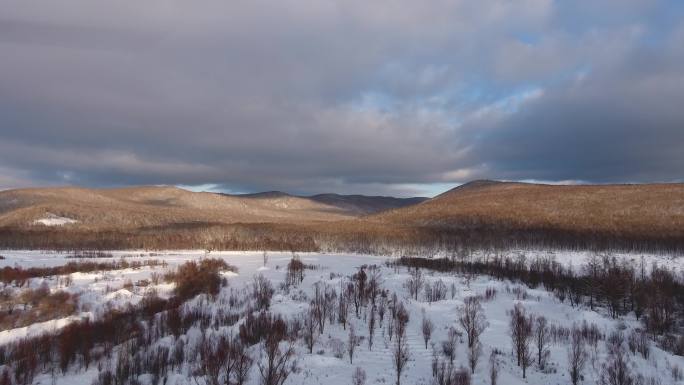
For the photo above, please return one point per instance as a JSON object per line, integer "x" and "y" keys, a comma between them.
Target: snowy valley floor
{"x": 103, "y": 290}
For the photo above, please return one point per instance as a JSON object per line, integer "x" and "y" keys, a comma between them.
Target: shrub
{"x": 192, "y": 278}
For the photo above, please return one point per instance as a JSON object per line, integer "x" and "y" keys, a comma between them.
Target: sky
{"x": 385, "y": 97}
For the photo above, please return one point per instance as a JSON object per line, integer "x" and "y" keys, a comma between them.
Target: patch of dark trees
{"x": 432, "y": 240}
{"x": 367, "y": 237}
{"x": 655, "y": 297}
{"x": 178, "y": 236}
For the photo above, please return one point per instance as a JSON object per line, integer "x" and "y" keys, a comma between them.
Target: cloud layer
{"x": 387, "y": 97}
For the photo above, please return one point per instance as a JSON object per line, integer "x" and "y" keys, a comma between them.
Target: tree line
{"x": 358, "y": 236}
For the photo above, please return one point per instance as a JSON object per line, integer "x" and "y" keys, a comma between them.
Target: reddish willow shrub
{"x": 193, "y": 278}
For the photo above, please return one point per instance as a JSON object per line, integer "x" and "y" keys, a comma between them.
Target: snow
{"x": 119, "y": 295}
{"x": 54, "y": 220}
{"x": 105, "y": 289}
{"x": 39, "y": 328}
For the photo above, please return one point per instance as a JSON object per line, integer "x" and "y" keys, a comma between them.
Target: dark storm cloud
{"x": 619, "y": 123}
{"x": 369, "y": 97}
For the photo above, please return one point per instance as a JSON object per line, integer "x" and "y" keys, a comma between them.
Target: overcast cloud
{"x": 376, "y": 97}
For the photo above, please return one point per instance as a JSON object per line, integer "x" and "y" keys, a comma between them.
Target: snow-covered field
{"x": 100, "y": 291}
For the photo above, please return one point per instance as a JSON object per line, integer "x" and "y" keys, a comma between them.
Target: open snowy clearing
{"x": 100, "y": 291}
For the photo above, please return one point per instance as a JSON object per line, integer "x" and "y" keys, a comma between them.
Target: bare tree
{"x": 427, "y": 291}
{"x": 493, "y": 368}
{"x": 474, "y": 352}
{"x": 639, "y": 342}
{"x": 371, "y": 327}
{"x": 382, "y": 306}
{"x": 262, "y": 291}
{"x": 359, "y": 377}
{"x": 616, "y": 370}
{"x": 275, "y": 364}
{"x": 447, "y": 374}
{"x": 236, "y": 361}
{"x": 521, "y": 334}
{"x": 390, "y": 329}
{"x": 374, "y": 283}
{"x": 449, "y": 345}
{"x": 415, "y": 282}
{"x": 360, "y": 280}
{"x": 393, "y": 315}
{"x": 400, "y": 355}
{"x": 472, "y": 319}
{"x": 330, "y": 302}
{"x": 321, "y": 303}
{"x": 295, "y": 271}
{"x": 542, "y": 340}
{"x": 310, "y": 325}
{"x": 577, "y": 356}
{"x": 428, "y": 328}
{"x": 351, "y": 345}
{"x": 401, "y": 319}
{"x": 223, "y": 358}
{"x": 212, "y": 357}
{"x": 342, "y": 310}
{"x": 441, "y": 372}
{"x": 592, "y": 270}
{"x": 243, "y": 364}
{"x": 265, "y": 257}
{"x": 436, "y": 291}
{"x": 351, "y": 293}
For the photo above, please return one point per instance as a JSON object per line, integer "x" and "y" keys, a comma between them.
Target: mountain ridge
{"x": 478, "y": 214}
{"x": 138, "y": 206}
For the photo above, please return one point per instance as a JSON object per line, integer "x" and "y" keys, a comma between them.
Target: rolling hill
{"x": 147, "y": 206}
{"x": 130, "y": 208}
{"x": 637, "y": 214}
{"x": 477, "y": 214}
{"x": 635, "y": 209}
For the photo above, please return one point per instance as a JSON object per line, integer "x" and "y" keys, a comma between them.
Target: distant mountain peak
{"x": 356, "y": 204}
{"x": 266, "y": 194}
{"x": 365, "y": 204}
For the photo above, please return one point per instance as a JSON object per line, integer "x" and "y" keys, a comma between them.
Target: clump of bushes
{"x": 193, "y": 278}
{"x": 257, "y": 328}
{"x": 35, "y": 305}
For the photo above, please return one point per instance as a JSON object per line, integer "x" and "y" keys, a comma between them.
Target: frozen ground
{"x": 106, "y": 289}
